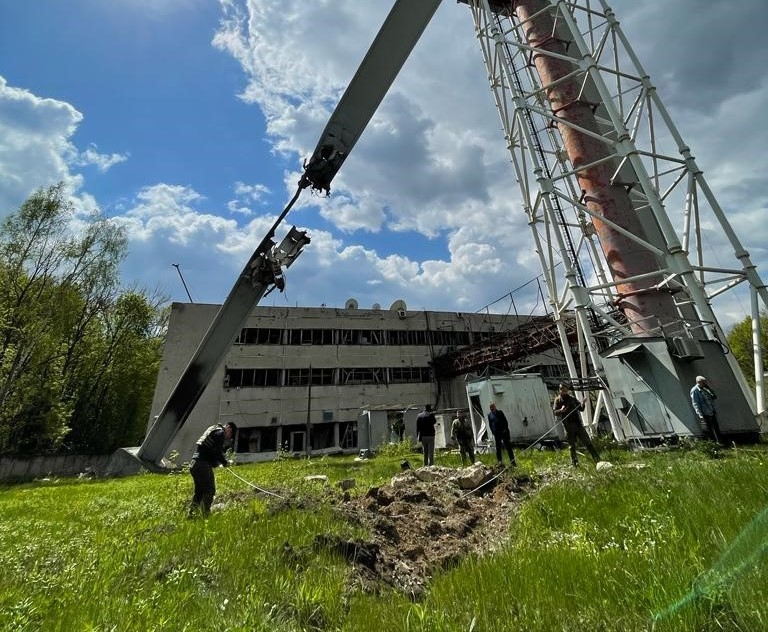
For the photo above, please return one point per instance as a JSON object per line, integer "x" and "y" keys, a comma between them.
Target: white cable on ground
{"x": 263, "y": 491}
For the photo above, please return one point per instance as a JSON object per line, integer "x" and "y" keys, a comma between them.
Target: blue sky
{"x": 135, "y": 74}
{"x": 188, "y": 121}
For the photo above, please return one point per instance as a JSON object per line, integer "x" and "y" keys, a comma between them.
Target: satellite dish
{"x": 376, "y": 306}
{"x": 350, "y": 304}
{"x": 399, "y": 308}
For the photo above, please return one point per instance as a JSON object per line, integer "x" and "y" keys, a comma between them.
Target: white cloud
{"x": 103, "y": 162}
{"x": 165, "y": 213}
{"x": 247, "y": 194}
{"x": 35, "y": 144}
{"x": 254, "y": 192}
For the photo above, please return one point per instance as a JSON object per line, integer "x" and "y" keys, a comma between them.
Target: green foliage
{"x": 402, "y": 449}
{"x": 667, "y": 541}
{"x": 78, "y": 356}
{"x": 740, "y": 343}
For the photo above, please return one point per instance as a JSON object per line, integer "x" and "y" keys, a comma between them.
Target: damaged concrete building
{"x": 294, "y": 371}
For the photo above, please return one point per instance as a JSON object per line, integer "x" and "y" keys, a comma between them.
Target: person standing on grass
{"x": 209, "y": 452}
{"x": 567, "y": 408}
{"x": 425, "y": 432}
{"x": 703, "y": 400}
{"x": 463, "y": 433}
{"x": 497, "y": 422}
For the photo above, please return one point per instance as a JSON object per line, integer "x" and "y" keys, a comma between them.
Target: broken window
{"x": 321, "y": 377}
{"x": 256, "y": 440}
{"x": 410, "y": 374}
{"x": 297, "y": 377}
{"x": 362, "y": 376}
{"x": 322, "y": 436}
{"x": 310, "y": 336}
{"x": 259, "y": 336}
{"x": 247, "y": 378}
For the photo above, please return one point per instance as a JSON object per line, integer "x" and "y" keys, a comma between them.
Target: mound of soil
{"x": 426, "y": 520}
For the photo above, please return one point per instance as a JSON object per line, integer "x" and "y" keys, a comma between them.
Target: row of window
{"x": 292, "y": 437}
{"x": 394, "y": 337}
{"x": 249, "y": 378}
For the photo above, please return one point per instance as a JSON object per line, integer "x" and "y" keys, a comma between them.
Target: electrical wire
{"x": 263, "y": 491}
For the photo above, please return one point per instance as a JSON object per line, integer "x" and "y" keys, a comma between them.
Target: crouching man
{"x": 209, "y": 453}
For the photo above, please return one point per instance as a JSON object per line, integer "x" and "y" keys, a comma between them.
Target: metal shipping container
{"x": 525, "y": 401}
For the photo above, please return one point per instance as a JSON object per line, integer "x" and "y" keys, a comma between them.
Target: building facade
{"x": 296, "y": 379}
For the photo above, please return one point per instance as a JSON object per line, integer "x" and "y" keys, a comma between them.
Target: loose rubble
{"x": 426, "y": 520}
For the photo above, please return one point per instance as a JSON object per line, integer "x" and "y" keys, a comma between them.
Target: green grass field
{"x": 668, "y": 541}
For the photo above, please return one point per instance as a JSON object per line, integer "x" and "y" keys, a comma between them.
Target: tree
{"x": 741, "y": 346}
{"x": 68, "y": 333}
{"x": 114, "y": 399}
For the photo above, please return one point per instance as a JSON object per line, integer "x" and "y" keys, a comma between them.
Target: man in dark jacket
{"x": 703, "y": 400}
{"x": 567, "y": 409}
{"x": 497, "y": 422}
{"x": 425, "y": 432}
{"x": 209, "y": 452}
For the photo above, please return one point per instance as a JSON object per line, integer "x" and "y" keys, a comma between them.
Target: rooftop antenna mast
{"x": 181, "y": 276}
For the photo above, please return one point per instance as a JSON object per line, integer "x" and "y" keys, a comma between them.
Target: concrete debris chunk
{"x": 406, "y": 479}
{"x": 316, "y": 478}
{"x": 428, "y": 474}
{"x": 473, "y": 476}
{"x": 603, "y": 465}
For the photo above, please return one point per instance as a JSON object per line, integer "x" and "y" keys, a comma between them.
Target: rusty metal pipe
{"x": 643, "y": 305}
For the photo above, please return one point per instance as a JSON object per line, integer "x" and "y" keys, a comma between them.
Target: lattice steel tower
{"x": 617, "y": 208}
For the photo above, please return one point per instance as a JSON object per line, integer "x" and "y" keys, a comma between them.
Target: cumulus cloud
{"x": 427, "y": 164}
{"x": 167, "y": 213}
{"x": 103, "y": 162}
{"x": 36, "y": 144}
{"x": 247, "y": 194}
{"x": 254, "y": 192}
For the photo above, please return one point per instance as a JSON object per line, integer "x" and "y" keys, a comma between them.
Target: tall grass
{"x": 670, "y": 541}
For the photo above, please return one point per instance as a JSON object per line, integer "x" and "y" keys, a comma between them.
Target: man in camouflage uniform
{"x": 567, "y": 409}
{"x": 464, "y": 435}
{"x": 209, "y": 453}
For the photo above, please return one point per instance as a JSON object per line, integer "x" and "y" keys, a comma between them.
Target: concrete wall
{"x": 19, "y": 468}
